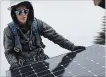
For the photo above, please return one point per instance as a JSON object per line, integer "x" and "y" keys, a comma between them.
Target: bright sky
{"x": 78, "y": 21}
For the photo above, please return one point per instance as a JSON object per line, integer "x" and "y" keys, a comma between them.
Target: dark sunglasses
{"x": 24, "y": 11}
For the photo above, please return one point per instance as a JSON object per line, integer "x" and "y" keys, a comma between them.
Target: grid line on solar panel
{"x": 87, "y": 69}
{"x": 97, "y": 71}
{"x": 58, "y": 70}
{"x": 104, "y": 73}
{"x": 24, "y": 74}
{"x": 96, "y": 61}
{"x": 81, "y": 67}
{"x": 31, "y": 75}
{"x": 54, "y": 71}
{"x": 62, "y": 69}
{"x": 90, "y": 71}
{"x": 48, "y": 75}
{"x": 19, "y": 72}
{"x": 71, "y": 73}
{"x": 24, "y": 67}
{"x": 33, "y": 70}
{"x": 68, "y": 72}
{"x": 45, "y": 74}
{"x": 39, "y": 73}
{"x": 25, "y": 71}
{"x": 21, "y": 66}
{"x": 64, "y": 63}
{"x": 61, "y": 66}
{"x": 91, "y": 60}
{"x": 30, "y": 71}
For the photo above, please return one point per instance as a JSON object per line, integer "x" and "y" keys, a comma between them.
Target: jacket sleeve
{"x": 51, "y": 34}
{"x": 9, "y": 46}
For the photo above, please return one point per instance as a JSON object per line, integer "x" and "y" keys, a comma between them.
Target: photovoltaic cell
{"x": 88, "y": 63}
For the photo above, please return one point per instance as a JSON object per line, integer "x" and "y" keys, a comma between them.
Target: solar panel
{"x": 88, "y": 63}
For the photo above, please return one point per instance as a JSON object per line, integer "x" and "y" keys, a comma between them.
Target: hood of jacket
{"x": 30, "y": 18}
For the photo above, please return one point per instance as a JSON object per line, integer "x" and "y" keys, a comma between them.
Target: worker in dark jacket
{"x": 32, "y": 50}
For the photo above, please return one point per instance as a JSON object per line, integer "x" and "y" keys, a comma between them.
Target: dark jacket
{"x": 44, "y": 30}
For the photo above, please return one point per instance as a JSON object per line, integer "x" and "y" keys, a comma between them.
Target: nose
{"x": 23, "y": 14}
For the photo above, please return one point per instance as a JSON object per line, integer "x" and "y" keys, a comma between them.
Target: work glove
{"x": 78, "y": 49}
{"x": 17, "y": 64}
{"x": 14, "y": 65}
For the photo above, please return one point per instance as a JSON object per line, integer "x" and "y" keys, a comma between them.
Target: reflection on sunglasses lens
{"x": 19, "y": 12}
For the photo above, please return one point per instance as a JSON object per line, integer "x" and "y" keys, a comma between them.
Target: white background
{"x": 78, "y": 21}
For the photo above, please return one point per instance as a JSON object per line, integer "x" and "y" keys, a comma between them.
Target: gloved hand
{"x": 14, "y": 65}
{"x": 78, "y": 49}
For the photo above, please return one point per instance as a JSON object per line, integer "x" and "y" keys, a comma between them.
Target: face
{"x": 22, "y": 14}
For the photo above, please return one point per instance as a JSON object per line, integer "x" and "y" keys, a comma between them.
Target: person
{"x": 26, "y": 45}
